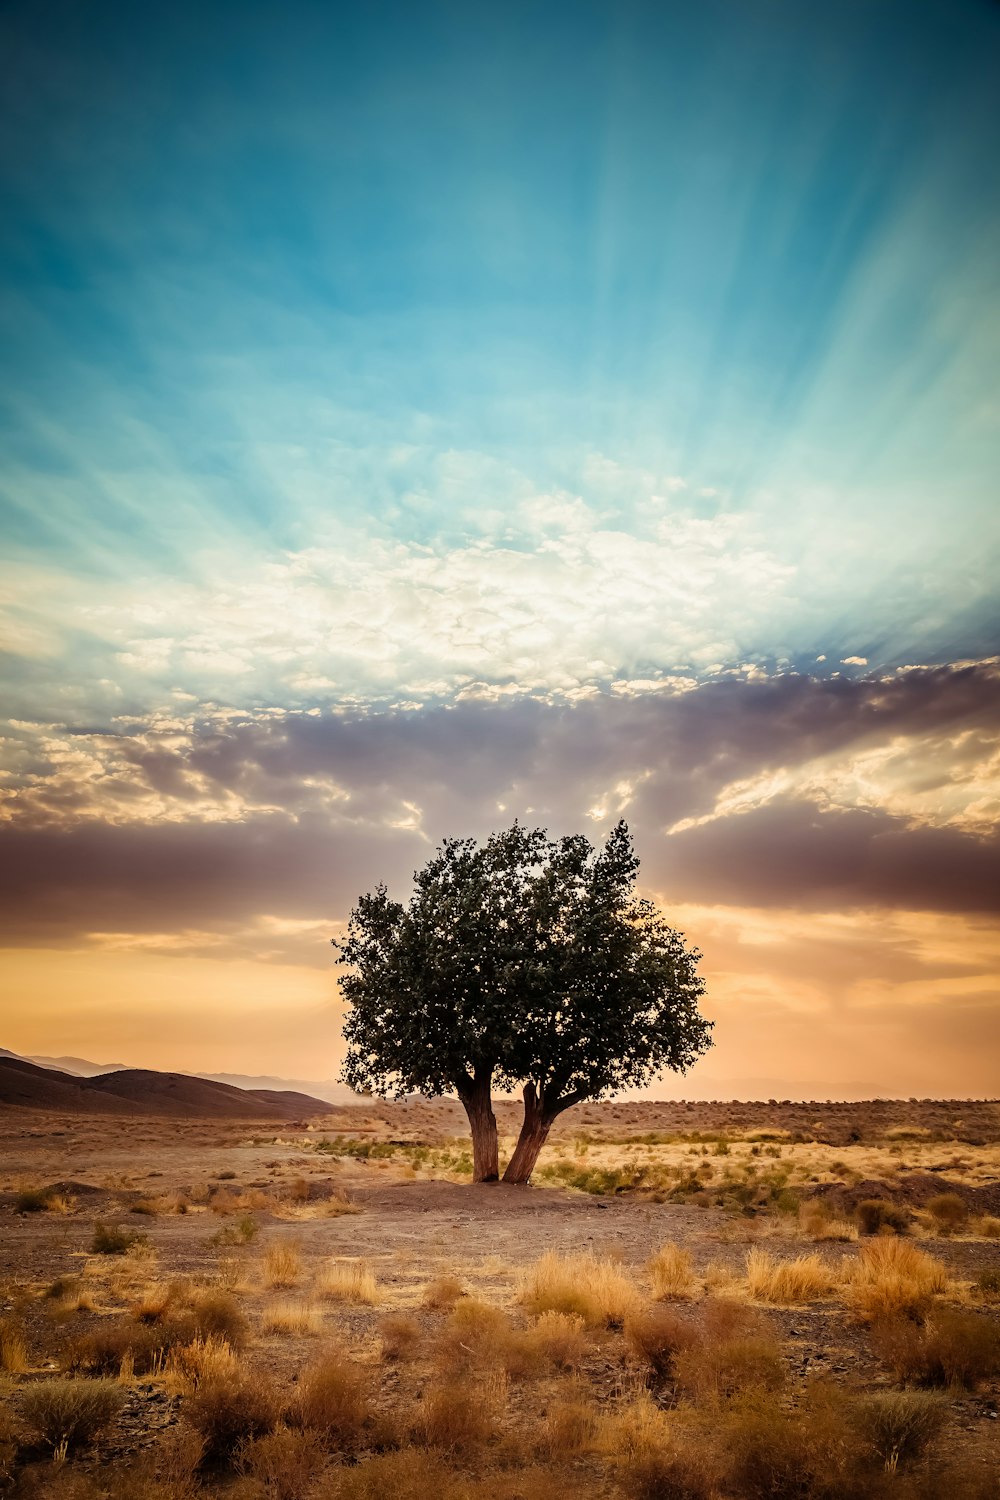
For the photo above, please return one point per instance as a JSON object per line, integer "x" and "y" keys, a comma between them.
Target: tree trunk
{"x": 478, "y": 1105}
{"x": 534, "y": 1134}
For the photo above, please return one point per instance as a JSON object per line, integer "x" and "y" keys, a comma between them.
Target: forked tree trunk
{"x": 478, "y": 1105}
{"x": 534, "y": 1133}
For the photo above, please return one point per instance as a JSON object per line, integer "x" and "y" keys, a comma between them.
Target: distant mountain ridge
{"x": 326, "y": 1089}
{"x": 142, "y": 1091}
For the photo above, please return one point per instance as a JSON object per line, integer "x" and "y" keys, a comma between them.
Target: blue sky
{"x": 373, "y": 361}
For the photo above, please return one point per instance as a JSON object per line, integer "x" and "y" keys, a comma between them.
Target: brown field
{"x": 693, "y": 1302}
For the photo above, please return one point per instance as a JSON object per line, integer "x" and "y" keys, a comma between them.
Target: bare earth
{"x": 671, "y": 1173}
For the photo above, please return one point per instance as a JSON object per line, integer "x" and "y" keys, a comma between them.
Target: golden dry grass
{"x": 892, "y": 1277}
{"x": 672, "y": 1273}
{"x": 289, "y": 1317}
{"x": 347, "y": 1281}
{"x": 282, "y": 1265}
{"x": 595, "y": 1290}
{"x": 785, "y": 1282}
{"x": 13, "y": 1348}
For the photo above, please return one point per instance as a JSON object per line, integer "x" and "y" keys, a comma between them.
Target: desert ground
{"x": 700, "y": 1301}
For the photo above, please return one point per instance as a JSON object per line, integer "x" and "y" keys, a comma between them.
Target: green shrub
{"x": 65, "y": 1413}
{"x": 112, "y": 1239}
{"x": 899, "y": 1425}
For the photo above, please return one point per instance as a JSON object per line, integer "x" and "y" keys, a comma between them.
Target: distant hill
{"x": 137, "y": 1091}
{"x": 327, "y": 1089}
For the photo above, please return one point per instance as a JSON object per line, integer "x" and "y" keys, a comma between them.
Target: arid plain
{"x": 701, "y": 1300}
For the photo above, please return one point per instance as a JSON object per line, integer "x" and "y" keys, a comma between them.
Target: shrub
{"x": 595, "y": 1290}
{"x": 455, "y": 1418}
{"x": 953, "y": 1348}
{"x": 282, "y": 1264}
{"x": 988, "y": 1226}
{"x": 559, "y": 1339}
{"x": 32, "y": 1200}
{"x": 569, "y": 1428}
{"x": 65, "y": 1413}
{"x": 284, "y": 1460}
{"x": 112, "y": 1239}
{"x": 443, "y": 1293}
{"x": 671, "y": 1475}
{"x": 892, "y": 1278}
{"x": 407, "y": 1475}
{"x": 332, "y": 1401}
{"x": 719, "y": 1370}
{"x": 670, "y": 1269}
{"x": 229, "y": 1412}
{"x": 773, "y": 1454}
{"x": 787, "y": 1281}
{"x": 217, "y": 1315}
{"x": 988, "y": 1283}
{"x": 948, "y": 1211}
{"x": 899, "y": 1425}
{"x": 13, "y": 1348}
{"x": 112, "y": 1347}
{"x": 347, "y": 1281}
{"x": 202, "y": 1361}
{"x": 879, "y": 1216}
{"x": 400, "y": 1336}
{"x": 657, "y": 1337}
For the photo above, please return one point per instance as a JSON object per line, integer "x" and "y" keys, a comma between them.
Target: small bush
{"x": 787, "y": 1281}
{"x": 347, "y": 1281}
{"x": 284, "y": 1460}
{"x": 948, "y": 1211}
{"x": 953, "y": 1348}
{"x": 595, "y": 1290}
{"x": 66, "y": 1413}
{"x": 657, "y": 1337}
{"x": 400, "y": 1336}
{"x": 443, "y": 1293}
{"x": 229, "y": 1412}
{"x": 407, "y": 1475}
{"x": 899, "y": 1425}
{"x": 719, "y": 1370}
{"x": 217, "y": 1315}
{"x": 683, "y": 1474}
{"x": 13, "y": 1348}
{"x": 112, "y": 1347}
{"x": 879, "y": 1216}
{"x": 332, "y": 1401}
{"x": 988, "y": 1227}
{"x": 559, "y": 1339}
{"x": 112, "y": 1239}
{"x": 988, "y": 1284}
{"x": 672, "y": 1275}
{"x": 455, "y": 1418}
{"x": 773, "y": 1454}
{"x": 568, "y": 1429}
{"x": 32, "y": 1200}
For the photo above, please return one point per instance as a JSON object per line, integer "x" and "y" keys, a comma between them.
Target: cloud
{"x": 787, "y": 791}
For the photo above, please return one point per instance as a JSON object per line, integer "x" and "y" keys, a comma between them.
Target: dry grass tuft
{"x": 637, "y": 1430}
{"x": 347, "y": 1281}
{"x": 672, "y": 1274}
{"x": 949, "y": 1212}
{"x": 13, "y": 1348}
{"x": 282, "y": 1264}
{"x": 803, "y": 1279}
{"x": 569, "y": 1427}
{"x": 408, "y": 1475}
{"x": 657, "y": 1337}
{"x": 891, "y": 1278}
{"x": 203, "y": 1361}
{"x": 66, "y": 1413}
{"x": 595, "y": 1290}
{"x": 299, "y": 1318}
{"x": 480, "y": 1337}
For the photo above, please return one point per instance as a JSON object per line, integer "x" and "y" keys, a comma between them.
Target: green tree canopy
{"x": 522, "y": 963}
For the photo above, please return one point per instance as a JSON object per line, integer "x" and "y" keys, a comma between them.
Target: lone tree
{"x": 522, "y": 963}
